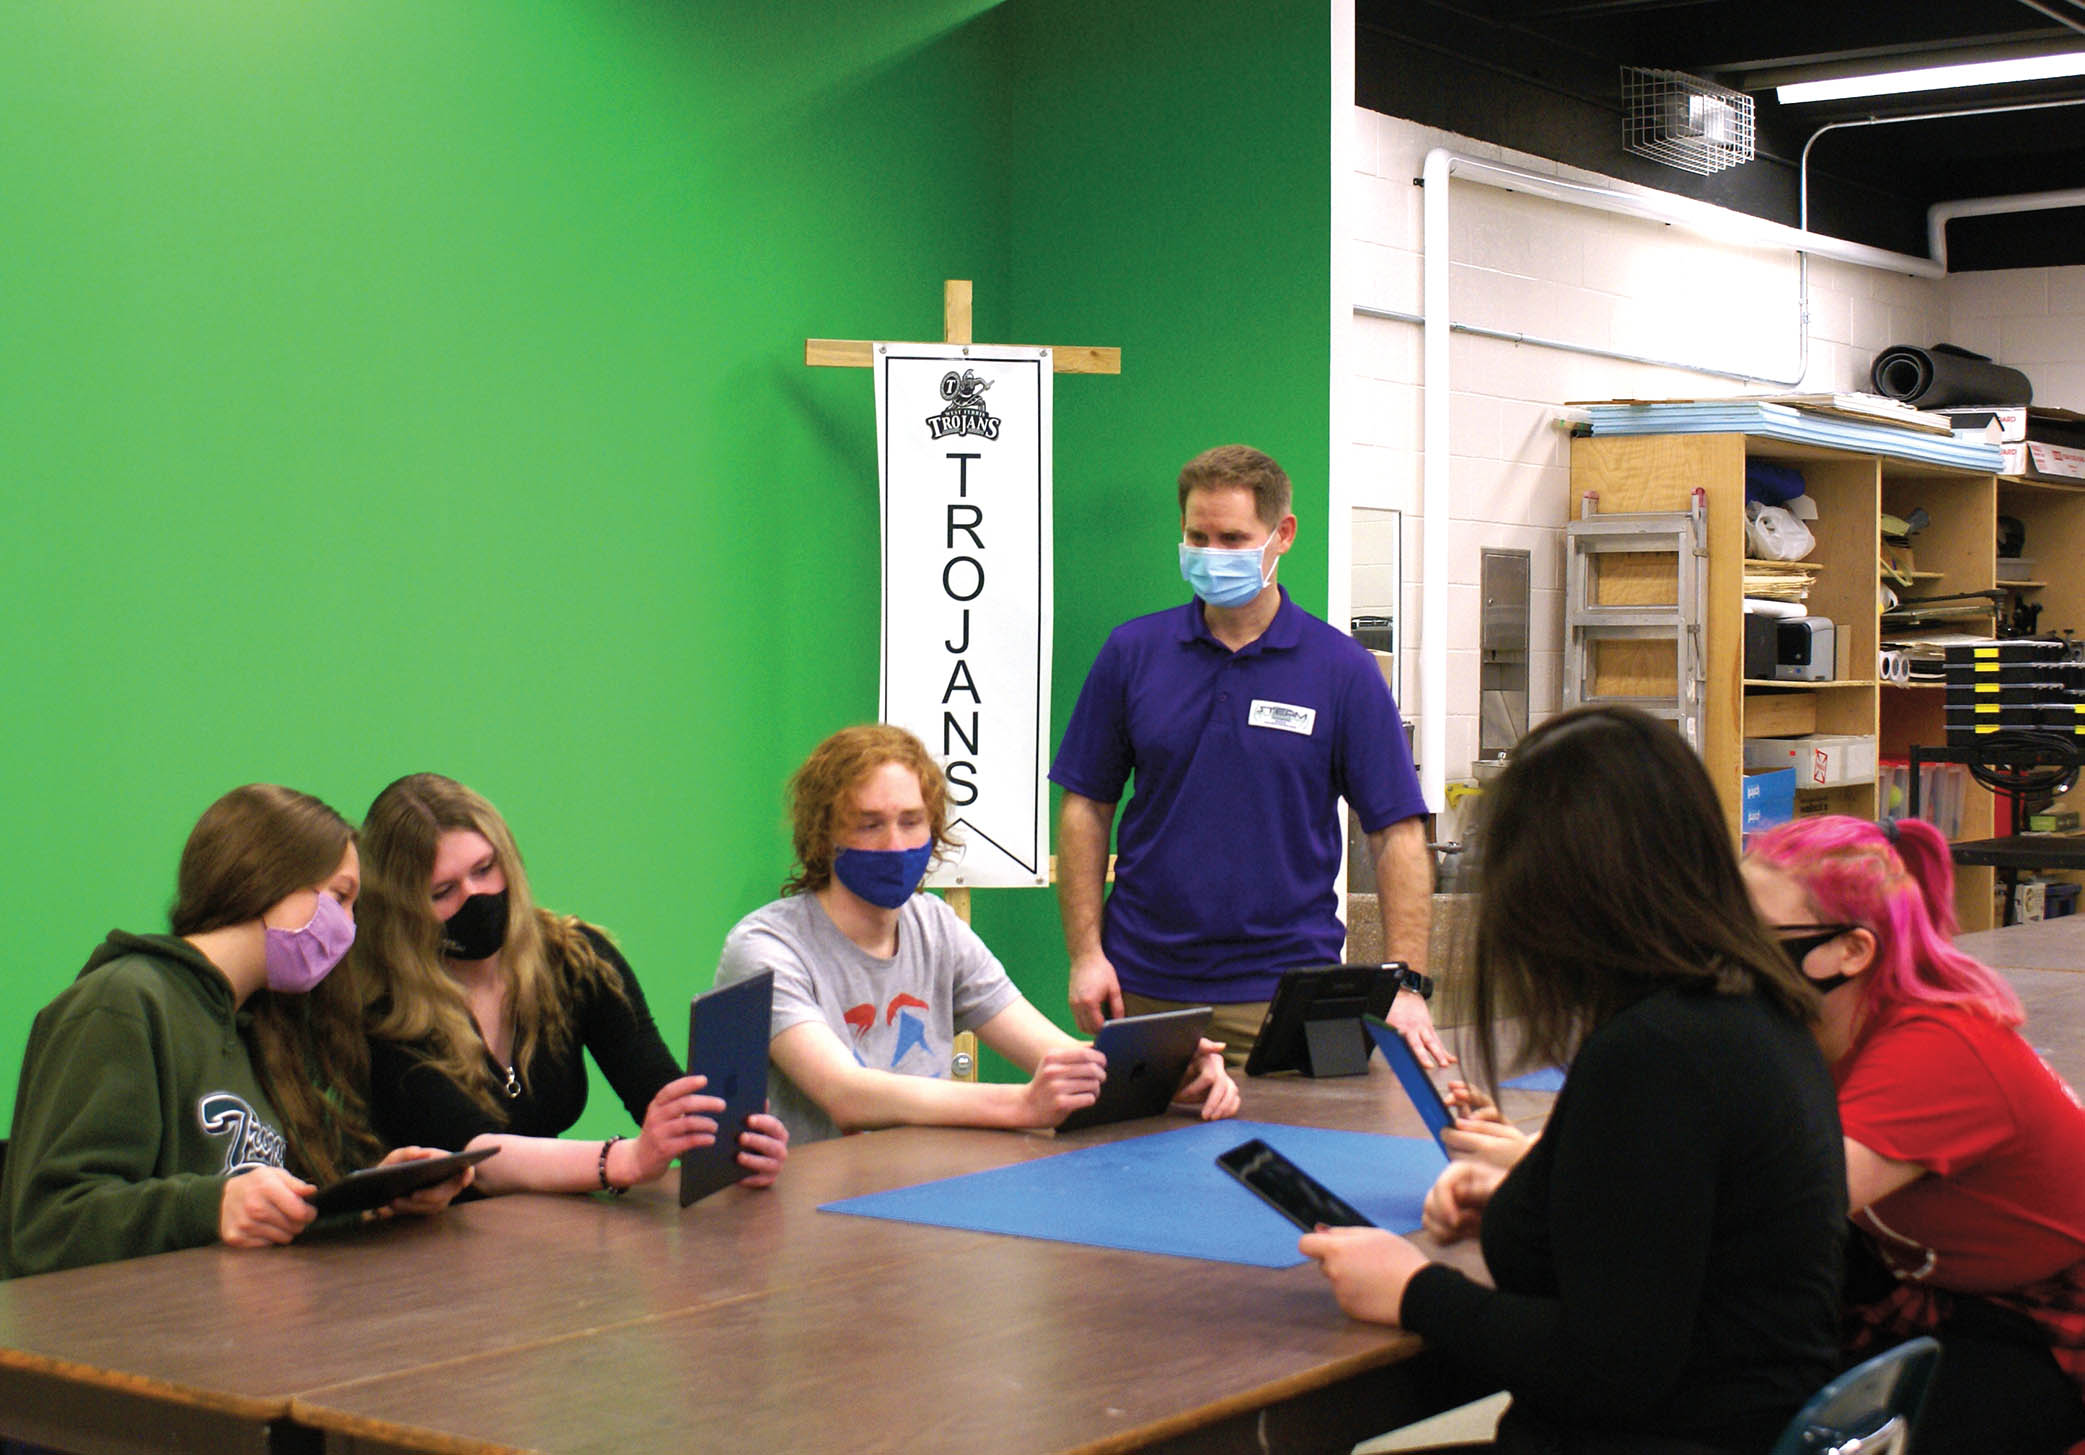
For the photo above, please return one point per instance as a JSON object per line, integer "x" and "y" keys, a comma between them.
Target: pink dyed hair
{"x": 1901, "y": 888}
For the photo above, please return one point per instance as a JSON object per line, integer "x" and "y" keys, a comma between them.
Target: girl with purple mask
{"x": 483, "y": 1009}
{"x": 1965, "y": 1153}
{"x": 187, "y": 1085}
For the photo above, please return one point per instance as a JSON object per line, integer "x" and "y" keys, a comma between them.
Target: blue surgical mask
{"x": 884, "y": 877}
{"x": 1225, "y": 577}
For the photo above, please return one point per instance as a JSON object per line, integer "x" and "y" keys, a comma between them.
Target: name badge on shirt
{"x": 1285, "y": 716}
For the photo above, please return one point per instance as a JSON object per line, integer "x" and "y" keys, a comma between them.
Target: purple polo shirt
{"x": 1228, "y": 850}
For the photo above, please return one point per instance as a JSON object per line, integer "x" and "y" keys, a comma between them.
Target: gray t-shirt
{"x": 900, "y": 1014}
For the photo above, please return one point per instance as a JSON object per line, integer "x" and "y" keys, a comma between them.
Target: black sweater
{"x": 412, "y": 1104}
{"x": 1668, "y": 1254}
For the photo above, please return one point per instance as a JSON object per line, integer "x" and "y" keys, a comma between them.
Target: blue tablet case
{"x": 1165, "y": 1194}
{"x": 1426, "y": 1097}
{"x": 727, "y": 1042}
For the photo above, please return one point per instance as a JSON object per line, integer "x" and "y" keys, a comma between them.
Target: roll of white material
{"x": 1760, "y": 606}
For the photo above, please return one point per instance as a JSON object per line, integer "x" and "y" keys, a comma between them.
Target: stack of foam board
{"x": 1796, "y": 426}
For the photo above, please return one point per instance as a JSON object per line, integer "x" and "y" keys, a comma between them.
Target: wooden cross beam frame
{"x": 848, "y": 353}
{"x": 854, "y": 353}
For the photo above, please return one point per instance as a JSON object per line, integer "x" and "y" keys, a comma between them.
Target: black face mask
{"x": 477, "y": 929}
{"x": 1797, "y": 941}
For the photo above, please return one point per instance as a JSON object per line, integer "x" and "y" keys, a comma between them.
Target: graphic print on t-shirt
{"x": 911, "y": 1032}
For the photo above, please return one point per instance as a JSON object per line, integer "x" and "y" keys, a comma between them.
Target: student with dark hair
{"x": 1965, "y": 1153}
{"x": 873, "y": 979}
{"x": 483, "y": 1008}
{"x": 1667, "y": 1255}
{"x": 173, "y": 1095}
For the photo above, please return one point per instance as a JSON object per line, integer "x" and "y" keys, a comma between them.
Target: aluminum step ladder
{"x": 1682, "y": 534}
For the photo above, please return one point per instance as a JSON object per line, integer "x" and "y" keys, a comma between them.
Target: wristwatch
{"x": 1412, "y": 980}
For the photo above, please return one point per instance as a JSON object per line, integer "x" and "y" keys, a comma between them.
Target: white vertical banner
{"x": 963, "y": 472}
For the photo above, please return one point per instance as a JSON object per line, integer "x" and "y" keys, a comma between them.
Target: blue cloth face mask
{"x": 886, "y": 878}
{"x": 1225, "y": 577}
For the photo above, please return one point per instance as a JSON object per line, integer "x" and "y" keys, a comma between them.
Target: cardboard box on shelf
{"x": 2043, "y": 461}
{"x": 1820, "y": 760}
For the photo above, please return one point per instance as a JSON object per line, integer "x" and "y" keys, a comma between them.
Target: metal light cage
{"x": 1686, "y": 122}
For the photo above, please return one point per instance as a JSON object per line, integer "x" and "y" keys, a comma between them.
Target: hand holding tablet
{"x": 1148, "y": 1057}
{"x": 1426, "y": 1097}
{"x": 375, "y": 1187}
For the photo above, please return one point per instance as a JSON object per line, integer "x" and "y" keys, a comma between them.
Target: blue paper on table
{"x": 1549, "y": 1078}
{"x": 1165, "y": 1194}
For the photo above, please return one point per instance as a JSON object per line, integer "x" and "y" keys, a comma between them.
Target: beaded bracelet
{"x": 606, "y": 1186}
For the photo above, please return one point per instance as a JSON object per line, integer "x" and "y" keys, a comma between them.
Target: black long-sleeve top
{"x": 1667, "y": 1256}
{"x": 413, "y": 1104}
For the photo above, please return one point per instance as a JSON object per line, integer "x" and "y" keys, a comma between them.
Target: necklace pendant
{"x": 513, "y": 1084}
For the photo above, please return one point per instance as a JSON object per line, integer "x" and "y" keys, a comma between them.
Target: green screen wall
{"x": 389, "y": 386}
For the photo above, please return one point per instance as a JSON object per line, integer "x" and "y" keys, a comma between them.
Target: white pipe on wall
{"x": 1716, "y": 223}
{"x": 1940, "y": 214}
{"x": 1433, "y": 487}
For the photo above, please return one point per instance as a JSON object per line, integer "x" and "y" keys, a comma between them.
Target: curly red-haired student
{"x": 873, "y": 979}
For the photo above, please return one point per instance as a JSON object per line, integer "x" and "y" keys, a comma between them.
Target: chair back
{"x": 1870, "y": 1409}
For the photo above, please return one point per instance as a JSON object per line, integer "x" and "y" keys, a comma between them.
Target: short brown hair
{"x": 819, "y": 792}
{"x": 1240, "y": 467}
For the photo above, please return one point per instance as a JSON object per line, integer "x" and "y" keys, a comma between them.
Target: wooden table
{"x": 750, "y": 1321}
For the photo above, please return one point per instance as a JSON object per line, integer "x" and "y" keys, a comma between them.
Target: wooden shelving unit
{"x": 1955, "y": 552}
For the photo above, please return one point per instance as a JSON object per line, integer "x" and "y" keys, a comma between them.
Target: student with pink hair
{"x": 1965, "y": 1153}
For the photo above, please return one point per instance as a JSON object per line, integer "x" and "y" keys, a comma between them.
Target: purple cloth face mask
{"x": 299, "y": 959}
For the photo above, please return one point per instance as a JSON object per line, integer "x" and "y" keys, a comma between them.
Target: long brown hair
{"x": 821, "y": 793}
{"x": 409, "y": 996}
{"x": 1609, "y": 873}
{"x": 249, "y": 851}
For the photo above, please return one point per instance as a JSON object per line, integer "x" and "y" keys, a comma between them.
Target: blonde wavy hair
{"x": 409, "y": 996}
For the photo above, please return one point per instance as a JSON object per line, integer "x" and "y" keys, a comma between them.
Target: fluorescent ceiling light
{"x": 1935, "y": 78}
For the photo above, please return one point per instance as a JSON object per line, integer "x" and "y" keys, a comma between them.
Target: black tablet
{"x": 1313, "y": 1024}
{"x": 1288, "y": 1189}
{"x": 373, "y": 1187}
{"x": 727, "y": 1042}
{"x": 1147, "y": 1056}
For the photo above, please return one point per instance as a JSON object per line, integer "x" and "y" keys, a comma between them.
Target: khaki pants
{"x": 1237, "y": 1025}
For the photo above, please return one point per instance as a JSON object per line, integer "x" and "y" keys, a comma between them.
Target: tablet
{"x": 1288, "y": 1189}
{"x": 1147, "y": 1056}
{"x": 727, "y": 1042}
{"x": 1417, "y": 1084}
{"x": 373, "y": 1187}
{"x": 1313, "y": 1023}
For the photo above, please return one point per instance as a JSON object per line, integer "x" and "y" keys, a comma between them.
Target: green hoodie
{"x": 138, "y": 1100}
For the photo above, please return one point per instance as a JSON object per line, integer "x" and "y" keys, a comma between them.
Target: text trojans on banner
{"x": 963, "y": 466}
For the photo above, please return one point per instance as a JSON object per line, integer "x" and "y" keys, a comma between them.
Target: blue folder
{"x": 1165, "y": 1194}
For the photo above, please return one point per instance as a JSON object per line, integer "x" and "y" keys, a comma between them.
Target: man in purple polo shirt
{"x": 1244, "y": 720}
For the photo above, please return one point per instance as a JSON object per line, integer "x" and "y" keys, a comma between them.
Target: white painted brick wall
{"x": 1531, "y": 266}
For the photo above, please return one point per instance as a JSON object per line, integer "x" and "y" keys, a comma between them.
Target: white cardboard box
{"x": 1821, "y": 760}
{"x": 2059, "y": 462}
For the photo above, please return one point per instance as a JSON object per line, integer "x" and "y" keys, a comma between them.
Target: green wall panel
{"x": 1171, "y": 194}
{"x": 389, "y": 386}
